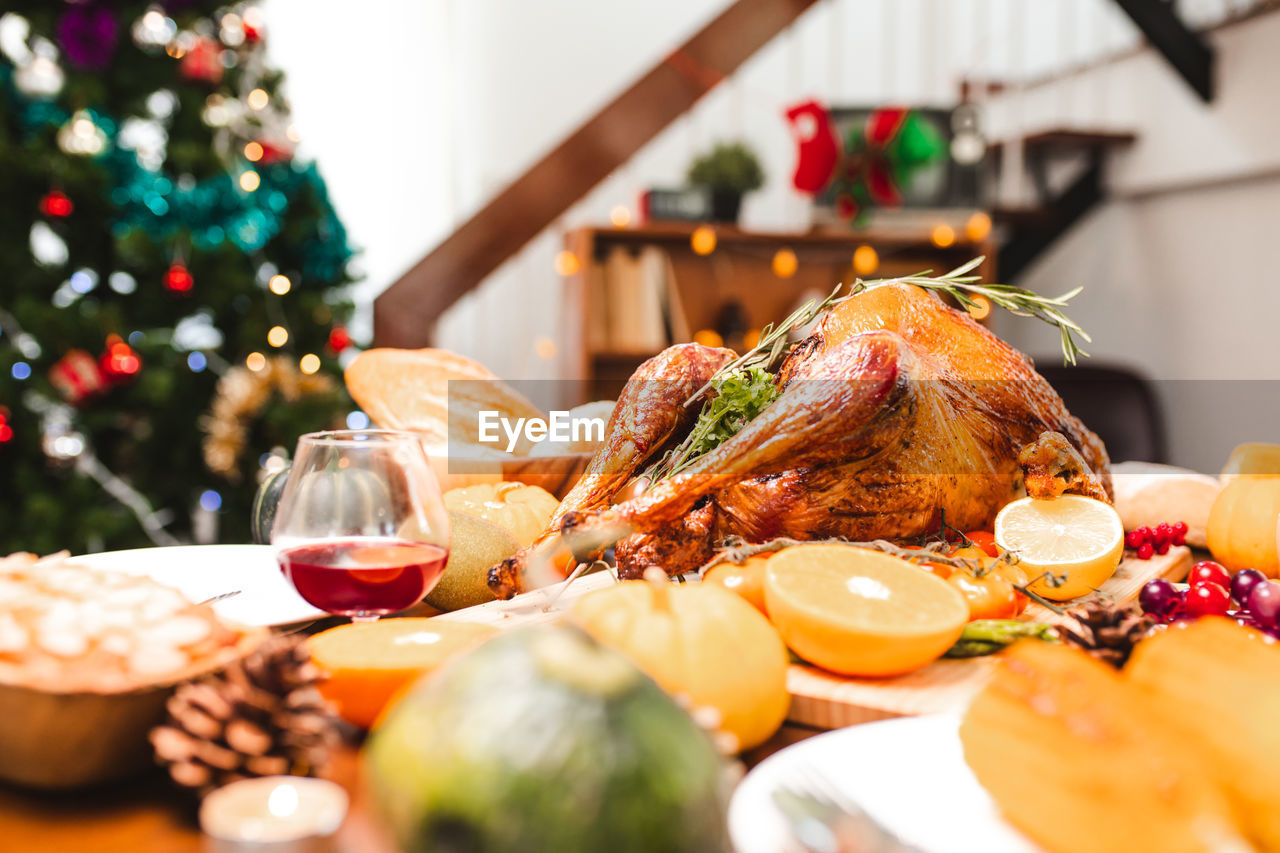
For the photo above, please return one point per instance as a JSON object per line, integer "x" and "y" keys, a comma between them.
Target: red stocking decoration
{"x": 819, "y": 149}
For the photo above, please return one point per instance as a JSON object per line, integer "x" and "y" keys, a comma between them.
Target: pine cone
{"x": 261, "y": 716}
{"x": 1107, "y": 631}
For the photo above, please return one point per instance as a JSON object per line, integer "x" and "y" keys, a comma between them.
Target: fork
{"x": 825, "y": 820}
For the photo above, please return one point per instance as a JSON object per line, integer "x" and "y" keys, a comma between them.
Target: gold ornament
{"x": 241, "y": 396}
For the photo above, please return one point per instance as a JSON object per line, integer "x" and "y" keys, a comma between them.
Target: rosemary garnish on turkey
{"x": 747, "y": 385}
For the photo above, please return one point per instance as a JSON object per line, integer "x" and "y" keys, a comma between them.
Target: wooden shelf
{"x": 738, "y": 271}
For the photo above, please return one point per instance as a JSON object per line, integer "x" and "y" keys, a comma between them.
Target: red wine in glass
{"x": 363, "y": 577}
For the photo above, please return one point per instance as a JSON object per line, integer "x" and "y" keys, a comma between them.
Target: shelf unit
{"x": 740, "y": 269}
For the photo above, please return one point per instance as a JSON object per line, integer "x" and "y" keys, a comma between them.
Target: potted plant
{"x": 727, "y": 171}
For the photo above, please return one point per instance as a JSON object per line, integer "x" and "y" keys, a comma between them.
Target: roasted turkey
{"x": 896, "y": 410}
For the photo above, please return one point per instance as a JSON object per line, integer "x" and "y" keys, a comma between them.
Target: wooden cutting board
{"x": 827, "y": 701}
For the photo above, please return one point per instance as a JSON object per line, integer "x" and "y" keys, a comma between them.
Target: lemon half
{"x": 1072, "y": 537}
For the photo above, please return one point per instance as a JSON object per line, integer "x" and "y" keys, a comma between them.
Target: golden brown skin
{"x": 896, "y": 410}
{"x": 1052, "y": 467}
{"x": 649, "y": 417}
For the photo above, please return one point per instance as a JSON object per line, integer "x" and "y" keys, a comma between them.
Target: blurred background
{"x": 210, "y": 208}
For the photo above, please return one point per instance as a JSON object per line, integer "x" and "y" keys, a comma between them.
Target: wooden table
{"x": 149, "y": 815}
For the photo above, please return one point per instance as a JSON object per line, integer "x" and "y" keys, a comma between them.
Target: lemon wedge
{"x": 1074, "y": 538}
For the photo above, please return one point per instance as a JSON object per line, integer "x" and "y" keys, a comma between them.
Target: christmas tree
{"x": 172, "y": 279}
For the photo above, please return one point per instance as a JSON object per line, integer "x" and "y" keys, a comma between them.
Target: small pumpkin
{"x": 697, "y": 640}
{"x": 745, "y": 579}
{"x": 1243, "y": 524}
{"x": 523, "y": 510}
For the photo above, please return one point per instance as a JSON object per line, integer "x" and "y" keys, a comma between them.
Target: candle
{"x": 273, "y": 814}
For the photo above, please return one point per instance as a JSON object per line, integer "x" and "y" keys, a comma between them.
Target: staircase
{"x": 405, "y": 314}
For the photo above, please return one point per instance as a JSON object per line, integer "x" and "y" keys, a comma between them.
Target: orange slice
{"x": 860, "y": 612}
{"x": 367, "y": 664}
{"x": 1078, "y": 540}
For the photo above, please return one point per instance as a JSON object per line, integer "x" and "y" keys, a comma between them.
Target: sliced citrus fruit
{"x": 367, "y": 664}
{"x": 860, "y": 612}
{"x": 1076, "y": 539}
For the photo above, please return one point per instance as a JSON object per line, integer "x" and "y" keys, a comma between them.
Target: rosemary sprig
{"x": 962, "y": 287}
{"x": 767, "y": 354}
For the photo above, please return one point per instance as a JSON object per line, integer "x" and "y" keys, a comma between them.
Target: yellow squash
{"x": 698, "y": 640}
{"x": 523, "y": 510}
{"x": 1244, "y": 524}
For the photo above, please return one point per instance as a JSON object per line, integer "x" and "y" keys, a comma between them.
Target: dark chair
{"x": 1116, "y": 403}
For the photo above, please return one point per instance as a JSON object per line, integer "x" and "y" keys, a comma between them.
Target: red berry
{"x": 1180, "y": 528}
{"x": 1163, "y": 547}
{"x": 1142, "y": 534}
{"x": 1145, "y": 551}
{"x": 1134, "y": 539}
{"x": 1162, "y": 535}
{"x": 1208, "y": 599}
{"x": 1208, "y": 571}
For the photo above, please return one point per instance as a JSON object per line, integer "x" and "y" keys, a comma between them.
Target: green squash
{"x": 542, "y": 739}
{"x": 265, "y": 503}
{"x": 332, "y": 500}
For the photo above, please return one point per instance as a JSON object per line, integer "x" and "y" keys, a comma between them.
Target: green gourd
{"x": 331, "y": 500}
{"x": 543, "y": 739}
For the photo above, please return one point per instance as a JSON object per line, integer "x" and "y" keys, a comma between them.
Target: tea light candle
{"x": 273, "y": 813}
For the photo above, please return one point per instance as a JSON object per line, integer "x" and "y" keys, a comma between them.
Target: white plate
{"x": 202, "y": 571}
{"x": 908, "y": 774}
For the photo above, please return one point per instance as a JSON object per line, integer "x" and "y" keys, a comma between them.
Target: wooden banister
{"x": 405, "y": 314}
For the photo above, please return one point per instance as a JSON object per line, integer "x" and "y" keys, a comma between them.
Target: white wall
{"x": 1179, "y": 268}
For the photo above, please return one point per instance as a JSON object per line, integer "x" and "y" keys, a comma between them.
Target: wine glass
{"x": 361, "y": 530}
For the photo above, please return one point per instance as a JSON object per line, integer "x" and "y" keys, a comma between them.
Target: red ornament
{"x": 178, "y": 279}
{"x": 56, "y": 203}
{"x": 6, "y": 431}
{"x": 77, "y": 376}
{"x": 339, "y": 339}
{"x": 120, "y": 362}
{"x": 274, "y": 152}
{"x": 203, "y": 61}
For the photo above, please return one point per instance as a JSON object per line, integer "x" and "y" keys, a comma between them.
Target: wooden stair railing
{"x": 405, "y": 314}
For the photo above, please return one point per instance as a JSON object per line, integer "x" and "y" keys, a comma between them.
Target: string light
{"x": 943, "y": 235}
{"x": 255, "y": 361}
{"x": 249, "y": 181}
{"x": 278, "y": 336}
{"x": 978, "y": 226}
{"x": 708, "y": 338}
{"x": 703, "y": 240}
{"x": 279, "y": 284}
{"x": 785, "y": 263}
{"x": 257, "y": 99}
{"x": 620, "y": 216}
{"x": 567, "y": 262}
{"x": 252, "y": 151}
{"x": 981, "y": 308}
{"x": 545, "y": 348}
{"x": 309, "y": 363}
{"x": 865, "y": 260}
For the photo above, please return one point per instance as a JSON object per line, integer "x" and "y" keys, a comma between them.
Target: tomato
{"x": 745, "y": 578}
{"x": 986, "y": 540}
{"x": 989, "y": 597}
{"x": 1016, "y": 578}
{"x": 942, "y": 570}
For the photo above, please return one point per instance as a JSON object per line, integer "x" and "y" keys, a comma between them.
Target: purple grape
{"x": 1264, "y": 604}
{"x": 1158, "y": 597}
{"x": 1243, "y": 582}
